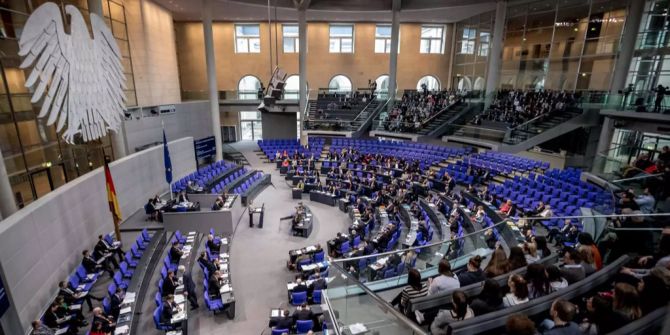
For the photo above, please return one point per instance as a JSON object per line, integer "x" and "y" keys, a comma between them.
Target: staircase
{"x": 540, "y": 131}
{"x": 364, "y": 114}
{"x": 444, "y": 117}
{"x": 533, "y": 128}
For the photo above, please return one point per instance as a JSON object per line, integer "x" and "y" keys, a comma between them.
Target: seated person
{"x": 214, "y": 247}
{"x": 182, "y": 197}
{"x": 317, "y": 284}
{"x": 150, "y": 209}
{"x": 572, "y": 270}
{"x": 285, "y": 321}
{"x": 107, "y": 322}
{"x": 299, "y": 285}
{"x": 506, "y": 208}
{"x": 176, "y": 252}
{"x": 303, "y": 313}
{"x": 209, "y": 265}
{"x": 218, "y": 204}
{"x": 168, "y": 309}
{"x": 105, "y": 248}
{"x": 92, "y": 266}
{"x": 215, "y": 283}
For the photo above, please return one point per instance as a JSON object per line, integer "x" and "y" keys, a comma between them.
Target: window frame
{"x": 339, "y": 39}
{"x": 296, "y": 38}
{"x": 386, "y": 40}
{"x": 431, "y": 39}
{"x": 247, "y": 39}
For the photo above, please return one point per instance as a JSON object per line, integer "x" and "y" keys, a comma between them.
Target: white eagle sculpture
{"x": 81, "y": 79}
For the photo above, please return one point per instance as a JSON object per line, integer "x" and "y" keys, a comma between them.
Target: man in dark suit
{"x": 214, "y": 247}
{"x": 303, "y": 313}
{"x": 106, "y": 248}
{"x": 71, "y": 296}
{"x": 169, "y": 308}
{"x": 211, "y": 267}
{"x": 52, "y": 320}
{"x": 214, "y": 290}
{"x": 189, "y": 286}
{"x": 182, "y": 197}
{"x": 116, "y": 301}
{"x": 285, "y": 321}
{"x": 300, "y": 285}
{"x": 317, "y": 284}
{"x": 92, "y": 266}
{"x": 175, "y": 252}
{"x": 169, "y": 284}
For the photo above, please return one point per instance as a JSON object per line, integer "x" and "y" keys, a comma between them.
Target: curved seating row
{"x": 203, "y": 177}
{"x": 497, "y": 319}
{"x": 270, "y": 147}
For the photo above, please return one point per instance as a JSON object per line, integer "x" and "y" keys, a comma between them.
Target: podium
{"x": 256, "y": 210}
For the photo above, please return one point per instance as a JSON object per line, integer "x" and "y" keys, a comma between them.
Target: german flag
{"x": 111, "y": 195}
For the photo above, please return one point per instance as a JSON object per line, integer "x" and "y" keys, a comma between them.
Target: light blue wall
{"x": 42, "y": 243}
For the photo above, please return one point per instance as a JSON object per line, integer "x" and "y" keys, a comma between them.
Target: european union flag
{"x": 166, "y": 158}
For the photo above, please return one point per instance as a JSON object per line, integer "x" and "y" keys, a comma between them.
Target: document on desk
{"x": 180, "y": 316}
{"x": 224, "y": 255}
{"x": 129, "y": 298}
{"x": 125, "y": 310}
{"x": 226, "y": 288}
{"x": 61, "y": 331}
{"x": 275, "y": 313}
{"x": 179, "y": 298}
{"x": 291, "y": 286}
{"x": 122, "y": 330}
{"x": 357, "y": 328}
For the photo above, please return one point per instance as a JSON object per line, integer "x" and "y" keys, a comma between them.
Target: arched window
{"x": 479, "y": 84}
{"x": 339, "y": 83}
{"x": 432, "y": 84}
{"x": 247, "y": 89}
{"x": 292, "y": 87}
{"x": 382, "y": 84}
{"x": 465, "y": 84}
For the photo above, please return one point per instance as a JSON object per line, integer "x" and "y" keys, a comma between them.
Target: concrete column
{"x": 495, "y": 53}
{"x": 604, "y": 142}
{"x": 302, "y": 70}
{"x": 118, "y": 139}
{"x": 211, "y": 76}
{"x": 622, "y": 67}
{"x": 393, "y": 60}
{"x": 7, "y": 202}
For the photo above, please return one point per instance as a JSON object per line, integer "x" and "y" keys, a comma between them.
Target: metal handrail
{"x": 364, "y": 108}
{"x": 504, "y": 221}
{"x": 646, "y": 175}
{"x": 439, "y": 113}
{"x": 383, "y": 304}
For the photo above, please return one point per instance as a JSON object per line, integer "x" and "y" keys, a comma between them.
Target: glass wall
{"x": 36, "y": 157}
{"x": 650, "y": 66}
{"x": 473, "y": 38}
{"x": 562, "y": 44}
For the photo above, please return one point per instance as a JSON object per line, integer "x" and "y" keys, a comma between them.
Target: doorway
{"x": 251, "y": 126}
{"x": 41, "y": 182}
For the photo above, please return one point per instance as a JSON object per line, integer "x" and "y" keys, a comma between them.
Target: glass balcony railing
{"x": 361, "y": 295}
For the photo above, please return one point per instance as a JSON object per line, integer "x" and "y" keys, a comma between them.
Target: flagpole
{"x": 170, "y": 183}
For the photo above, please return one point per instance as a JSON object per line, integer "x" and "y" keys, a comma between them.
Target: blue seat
{"x": 389, "y": 273}
{"x": 304, "y": 262}
{"x": 303, "y": 326}
{"x": 298, "y": 298}
{"x": 157, "y": 321}
{"x": 106, "y": 305}
{"x": 125, "y": 270}
{"x": 280, "y": 331}
{"x": 316, "y": 297}
{"x": 158, "y": 299}
{"x": 345, "y": 248}
{"x": 319, "y": 257}
{"x": 129, "y": 259}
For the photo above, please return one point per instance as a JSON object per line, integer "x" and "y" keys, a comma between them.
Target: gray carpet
{"x": 258, "y": 259}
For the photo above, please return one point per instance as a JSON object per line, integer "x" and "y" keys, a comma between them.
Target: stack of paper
{"x": 125, "y": 310}
{"x": 122, "y": 330}
{"x": 357, "y": 328}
